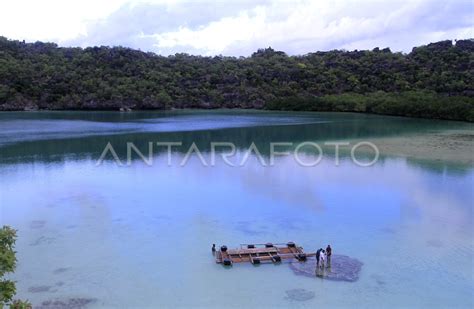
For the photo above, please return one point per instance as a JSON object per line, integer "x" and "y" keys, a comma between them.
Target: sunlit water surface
{"x": 140, "y": 235}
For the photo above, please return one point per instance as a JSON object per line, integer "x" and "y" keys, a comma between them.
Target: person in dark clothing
{"x": 318, "y": 255}
{"x": 213, "y": 248}
{"x": 328, "y": 254}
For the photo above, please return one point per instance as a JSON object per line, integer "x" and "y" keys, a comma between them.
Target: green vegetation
{"x": 436, "y": 80}
{"x": 421, "y": 104}
{"x": 8, "y": 265}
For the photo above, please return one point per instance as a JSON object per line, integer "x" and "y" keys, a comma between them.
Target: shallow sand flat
{"x": 453, "y": 146}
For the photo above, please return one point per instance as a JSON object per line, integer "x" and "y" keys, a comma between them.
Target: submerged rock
{"x": 378, "y": 279}
{"x": 61, "y": 270}
{"x": 435, "y": 243}
{"x": 71, "y": 303}
{"x": 37, "y": 224}
{"x": 42, "y": 240}
{"x": 39, "y": 289}
{"x": 387, "y": 230}
{"x": 343, "y": 268}
{"x": 299, "y": 294}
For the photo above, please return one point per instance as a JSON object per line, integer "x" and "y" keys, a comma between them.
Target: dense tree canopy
{"x": 45, "y": 76}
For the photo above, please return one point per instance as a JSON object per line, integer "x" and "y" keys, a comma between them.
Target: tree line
{"x": 432, "y": 81}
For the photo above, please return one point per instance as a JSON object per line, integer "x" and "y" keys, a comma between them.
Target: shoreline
{"x": 223, "y": 109}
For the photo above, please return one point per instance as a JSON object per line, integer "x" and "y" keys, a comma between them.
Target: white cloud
{"x": 238, "y": 27}
{"x": 216, "y": 36}
{"x": 51, "y": 19}
{"x": 308, "y": 26}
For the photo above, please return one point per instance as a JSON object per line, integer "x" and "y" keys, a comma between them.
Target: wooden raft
{"x": 259, "y": 253}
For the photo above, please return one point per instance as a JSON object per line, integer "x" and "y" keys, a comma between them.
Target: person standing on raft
{"x": 328, "y": 255}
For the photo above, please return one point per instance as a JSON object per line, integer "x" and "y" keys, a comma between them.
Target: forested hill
{"x": 45, "y": 76}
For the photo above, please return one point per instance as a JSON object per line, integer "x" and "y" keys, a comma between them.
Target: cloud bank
{"x": 238, "y": 28}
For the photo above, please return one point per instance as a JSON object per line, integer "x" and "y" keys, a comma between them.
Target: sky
{"x": 238, "y": 28}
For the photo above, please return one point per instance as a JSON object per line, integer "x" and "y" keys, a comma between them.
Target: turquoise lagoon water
{"x": 139, "y": 235}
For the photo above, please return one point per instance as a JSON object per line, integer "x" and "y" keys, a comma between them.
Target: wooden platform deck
{"x": 260, "y": 253}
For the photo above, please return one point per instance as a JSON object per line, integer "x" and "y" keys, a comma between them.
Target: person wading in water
{"x": 328, "y": 255}
{"x": 322, "y": 259}
{"x": 318, "y": 255}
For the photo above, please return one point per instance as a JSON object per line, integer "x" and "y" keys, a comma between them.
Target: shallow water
{"x": 140, "y": 236}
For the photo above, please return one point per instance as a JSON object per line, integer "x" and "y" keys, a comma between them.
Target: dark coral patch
{"x": 299, "y": 294}
{"x": 71, "y": 303}
{"x": 343, "y": 268}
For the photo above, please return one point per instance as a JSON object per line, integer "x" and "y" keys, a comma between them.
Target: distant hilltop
{"x": 45, "y": 76}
